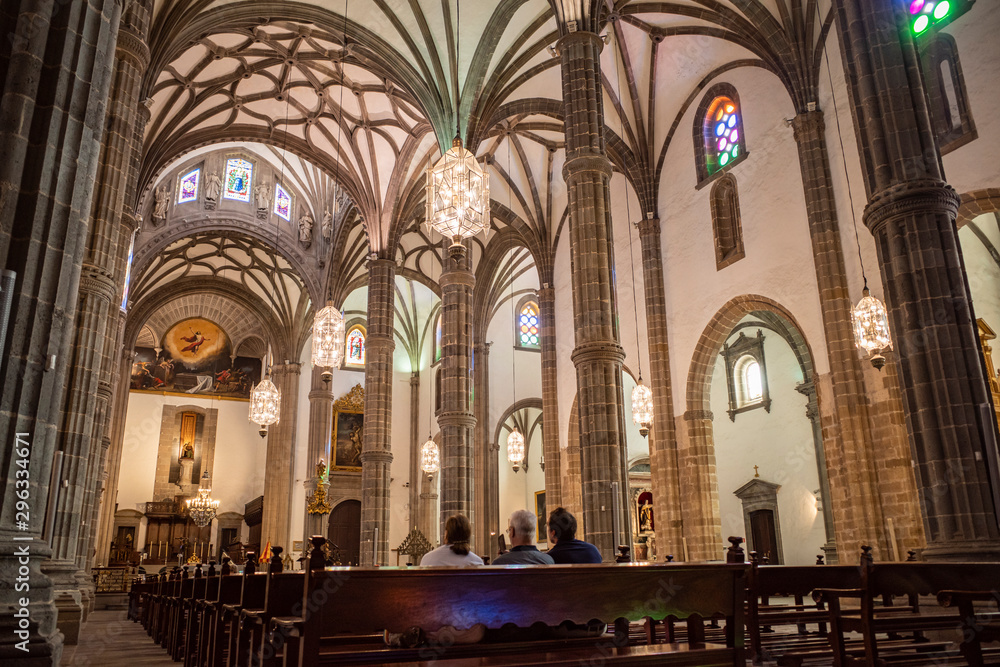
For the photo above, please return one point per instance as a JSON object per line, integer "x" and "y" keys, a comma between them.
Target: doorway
{"x": 345, "y": 531}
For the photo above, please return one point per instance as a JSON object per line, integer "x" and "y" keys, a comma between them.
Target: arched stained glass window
{"x": 188, "y": 190}
{"x": 527, "y": 325}
{"x": 438, "y": 347}
{"x": 239, "y": 178}
{"x": 282, "y": 202}
{"x": 723, "y": 132}
{"x": 719, "y": 140}
{"x": 355, "y": 346}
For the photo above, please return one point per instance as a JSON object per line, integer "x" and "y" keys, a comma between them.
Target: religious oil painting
{"x": 195, "y": 357}
{"x": 542, "y": 515}
{"x": 348, "y": 432}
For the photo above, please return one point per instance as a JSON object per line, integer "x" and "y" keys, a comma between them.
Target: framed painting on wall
{"x": 543, "y": 517}
{"x": 348, "y": 430}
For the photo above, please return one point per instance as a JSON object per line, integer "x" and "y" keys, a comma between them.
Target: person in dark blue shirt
{"x": 568, "y": 549}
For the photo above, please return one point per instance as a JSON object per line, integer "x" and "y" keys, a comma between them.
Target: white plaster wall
{"x": 517, "y": 490}
{"x": 778, "y": 263}
{"x": 780, "y": 443}
{"x": 237, "y": 471}
{"x": 983, "y": 270}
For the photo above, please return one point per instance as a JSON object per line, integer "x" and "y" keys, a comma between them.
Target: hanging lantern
{"x": 458, "y": 195}
{"x": 265, "y": 404}
{"x": 515, "y": 449}
{"x": 430, "y": 460}
{"x": 642, "y": 407}
{"x": 202, "y": 509}
{"x": 871, "y": 328}
{"x": 328, "y": 340}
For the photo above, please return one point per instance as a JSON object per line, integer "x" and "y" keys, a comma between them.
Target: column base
{"x": 68, "y": 598}
{"x": 969, "y": 551}
{"x": 830, "y": 556}
{"x": 28, "y": 632}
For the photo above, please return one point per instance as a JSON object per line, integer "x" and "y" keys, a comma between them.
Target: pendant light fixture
{"x": 430, "y": 455}
{"x": 458, "y": 188}
{"x": 869, "y": 317}
{"x": 203, "y": 508}
{"x": 642, "y": 396}
{"x": 328, "y": 325}
{"x": 515, "y": 441}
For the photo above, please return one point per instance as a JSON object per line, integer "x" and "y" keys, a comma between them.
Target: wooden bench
{"x": 978, "y": 625}
{"x": 909, "y": 580}
{"x": 796, "y": 582}
{"x": 341, "y": 603}
{"x": 282, "y": 597}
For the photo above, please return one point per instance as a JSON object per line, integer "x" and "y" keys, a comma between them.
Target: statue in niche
{"x": 327, "y": 225}
{"x": 162, "y": 196}
{"x": 213, "y": 188}
{"x": 187, "y": 451}
{"x": 646, "y": 517}
{"x": 305, "y": 229}
{"x": 261, "y": 195}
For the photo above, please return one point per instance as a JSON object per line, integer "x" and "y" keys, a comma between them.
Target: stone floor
{"x": 109, "y": 639}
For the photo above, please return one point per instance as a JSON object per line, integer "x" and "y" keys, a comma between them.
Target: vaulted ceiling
{"x": 367, "y": 91}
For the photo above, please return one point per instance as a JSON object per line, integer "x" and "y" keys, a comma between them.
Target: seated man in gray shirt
{"x": 521, "y": 530}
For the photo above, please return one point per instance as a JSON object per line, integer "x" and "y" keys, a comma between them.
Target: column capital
{"x": 808, "y": 123}
{"x": 463, "y": 277}
{"x": 97, "y": 282}
{"x": 376, "y": 343}
{"x": 321, "y": 395}
{"x": 132, "y": 48}
{"x": 456, "y": 418}
{"x": 574, "y": 37}
{"x": 648, "y": 227}
{"x": 698, "y": 415}
{"x": 482, "y": 348}
{"x": 586, "y": 162}
{"x": 289, "y": 367}
{"x": 376, "y": 456}
{"x": 598, "y": 351}
{"x": 916, "y": 197}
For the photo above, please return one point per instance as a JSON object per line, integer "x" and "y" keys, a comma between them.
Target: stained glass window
{"x": 438, "y": 340}
{"x": 356, "y": 346}
{"x": 527, "y": 330}
{"x": 282, "y": 202}
{"x": 751, "y": 380}
{"x": 128, "y": 270}
{"x": 188, "y": 191}
{"x": 239, "y": 174}
{"x": 927, "y": 13}
{"x": 723, "y": 134}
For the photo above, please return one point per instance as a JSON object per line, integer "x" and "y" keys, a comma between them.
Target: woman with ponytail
{"x": 455, "y": 551}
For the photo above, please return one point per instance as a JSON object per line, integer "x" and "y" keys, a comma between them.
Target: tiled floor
{"x": 111, "y": 640}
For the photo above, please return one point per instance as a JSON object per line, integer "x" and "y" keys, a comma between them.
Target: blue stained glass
{"x": 732, "y": 121}
{"x": 720, "y": 129}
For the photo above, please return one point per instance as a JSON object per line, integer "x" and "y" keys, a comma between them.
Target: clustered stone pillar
{"x": 55, "y": 74}
{"x": 487, "y": 476}
{"x": 376, "y": 453}
{"x": 808, "y": 389}
{"x": 278, "y": 461}
{"x": 456, "y": 419}
{"x": 857, "y": 480}
{"x": 112, "y": 468}
{"x": 598, "y": 356}
{"x": 415, "y": 444}
{"x": 550, "y": 395}
{"x": 96, "y": 330}
{"x": 663, "y": 434}
{"x": 911, "y": 213}
{"x": 320, "y": 423}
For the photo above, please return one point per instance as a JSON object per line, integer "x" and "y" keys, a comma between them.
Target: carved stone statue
{"x": 213, "y": 189}
{"x": 646, "y": 517}
{"x": 305, "y": 229}
{"x": 160, "y": 207}
{"x": 327, "y": 225}
{"x": 187, "y": 451}
{"x": 262, "y": 197}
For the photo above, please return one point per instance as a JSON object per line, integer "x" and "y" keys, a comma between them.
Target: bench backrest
{"x": 254, "y": 589}
{"x": 792, "y": 580}
{"x": 366, "y": 600}
{"x": 230, "y": 588}
{"x": 927, "y": 578}
{"x": 284, "y": 590}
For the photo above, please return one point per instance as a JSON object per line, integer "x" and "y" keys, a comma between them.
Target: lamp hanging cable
{"x": 515, "y": 441}
{"x": 869, "y": 317}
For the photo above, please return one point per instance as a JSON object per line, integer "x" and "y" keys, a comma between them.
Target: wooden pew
{"x": 361, "y": 601}
{"x": 228, "y": 623}
{"x": 910, "y": 580}
{"x": 796, "y": 582}
{"x": 283, "y": 593}
{"x": 213, "y": 638}
{"x": 196, "y": 622}
{"x": 978, "y": 625}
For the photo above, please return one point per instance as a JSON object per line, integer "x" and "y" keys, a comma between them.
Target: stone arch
{"x": 696, "y": 457}
{"x": 975, "y": 203}
{"x": 572, "y": 477}
{"x": 524, "y": 403}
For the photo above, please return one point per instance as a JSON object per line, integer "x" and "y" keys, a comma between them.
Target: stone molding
{"x": 598, "y": 351}
{"x": 462, "y": 277}
{"x": 587, "y": 163}
{"x": 376, "y": 456}
{"x": 918, "y": 197}
{"x": 807, "y": 124}
{"x": 98, "y": 283}
{"x": 456, "y": 418}
{"x": 696, "y": 415}
{"x": 132, "y": 48}
{"x": 584, "y": 37}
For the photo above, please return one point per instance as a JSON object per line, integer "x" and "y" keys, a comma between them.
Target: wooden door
{"x": 765, "y": 537}
{"x": 345, "y": 531}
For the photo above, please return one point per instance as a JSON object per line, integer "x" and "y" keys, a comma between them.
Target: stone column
{"x": 376, "y": 454}
{"x": 598, "y": 356}
{"x": 320, "y": 428}
{"x": 487, "y": 482}
{"x": 911, "y": 213}
{"x": 808, "y": 389}
{"x": 52, "y": 118}
{"x": 116, "y": 437}
{"x": 456, "y": 419}
{"x": 550, "y": 395}
{"x": 278, "y": 462}
{"x": 856, "y": 477}
{"x": 415, "y": 444}
{"x": 667, "y": 506}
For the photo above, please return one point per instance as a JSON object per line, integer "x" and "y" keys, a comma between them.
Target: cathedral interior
{"x": 236, "y": 268}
